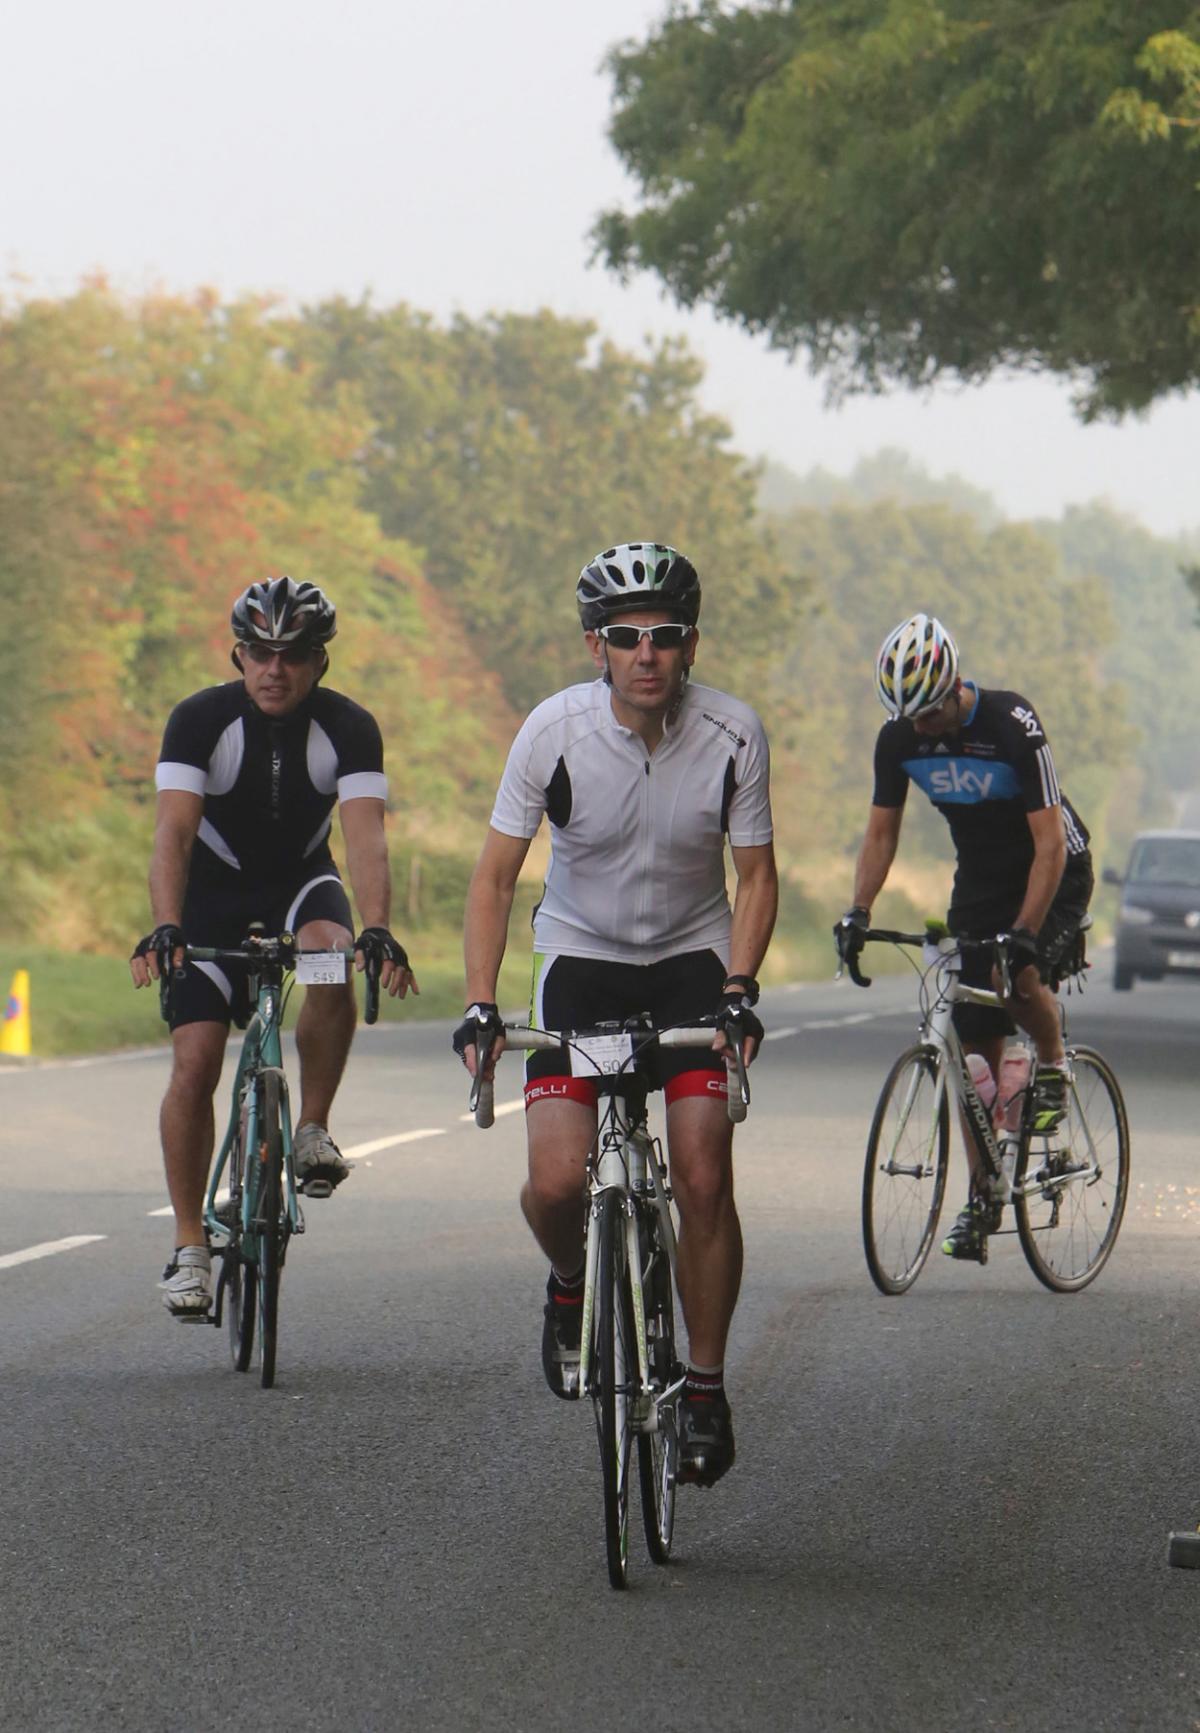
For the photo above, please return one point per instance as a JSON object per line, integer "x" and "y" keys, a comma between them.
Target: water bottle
{"x": 1010, "y": 1089}
{"x": 981, "y": 1077}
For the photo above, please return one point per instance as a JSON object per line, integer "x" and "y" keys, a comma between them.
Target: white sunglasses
{"x": 670, "y": 636}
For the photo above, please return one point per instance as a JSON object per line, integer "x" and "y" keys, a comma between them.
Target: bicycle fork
{"x": 629, "y": 1167}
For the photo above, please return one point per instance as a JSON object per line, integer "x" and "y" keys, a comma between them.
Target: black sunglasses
{"x": 668, "y": 637}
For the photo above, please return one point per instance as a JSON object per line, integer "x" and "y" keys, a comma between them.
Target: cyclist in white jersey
{"x": 642, "y": 776}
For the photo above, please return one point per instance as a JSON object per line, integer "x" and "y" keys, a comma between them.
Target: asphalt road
{"x": 949, "y": 1510}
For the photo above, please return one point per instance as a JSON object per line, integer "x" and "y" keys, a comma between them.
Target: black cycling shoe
{"x": 1049, "y": 1099}
{"x": 706, "y": 1448}
{"x": 968, "y": 1237}
{"x": 562, "y": 1333}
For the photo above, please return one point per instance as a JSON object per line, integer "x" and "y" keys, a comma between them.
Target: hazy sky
{"x": 451, "y": 154}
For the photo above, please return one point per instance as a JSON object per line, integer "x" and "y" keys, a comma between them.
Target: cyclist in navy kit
{"x": 247, "y": 780}
{"x": 642, "y": 777}
{"x": 1024, "y": 868}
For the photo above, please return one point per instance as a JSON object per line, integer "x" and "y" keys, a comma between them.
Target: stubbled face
{"x": 945, "y": 719}
{"x": 279, "y": 685}
{"x": 645, "y": 679}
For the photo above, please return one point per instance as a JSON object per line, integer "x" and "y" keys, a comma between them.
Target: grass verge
{"x": 86, "y": 1004}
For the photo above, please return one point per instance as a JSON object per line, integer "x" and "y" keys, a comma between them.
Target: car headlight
{"x": 1135, "y": 917}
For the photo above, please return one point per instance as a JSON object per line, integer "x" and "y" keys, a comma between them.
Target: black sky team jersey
{"x": 984, "y": 780}
{"x": 269, "y": 786}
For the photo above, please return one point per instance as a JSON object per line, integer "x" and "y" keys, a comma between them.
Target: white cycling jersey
{"x": 637, "y": 863}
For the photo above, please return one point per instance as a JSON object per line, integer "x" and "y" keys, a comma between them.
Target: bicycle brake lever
{"x": 483, "y": 1100}
{"x": 738, "y": 1105}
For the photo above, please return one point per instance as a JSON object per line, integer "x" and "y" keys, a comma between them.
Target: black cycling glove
{"x": 850, "y": 933}
{"x": 1022, "y": 950}
{"x": 379, "y": 947}
{"x": 163, "y": 941}
{"x": 481, "y": 1025}
{"x": 736, "y": 1017}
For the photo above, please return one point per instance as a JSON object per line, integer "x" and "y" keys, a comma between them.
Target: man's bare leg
{"x": 186, "y": 1123}
{"x": 700, "y": 1137}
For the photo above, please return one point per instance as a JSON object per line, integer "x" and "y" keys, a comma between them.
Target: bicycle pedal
{"x": 315, "y": 1188}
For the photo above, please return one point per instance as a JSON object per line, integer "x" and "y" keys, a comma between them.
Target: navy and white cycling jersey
{"x": 984, "y": 779}
{"x": 637, "y": 863}
{"x": 269, "y": 785}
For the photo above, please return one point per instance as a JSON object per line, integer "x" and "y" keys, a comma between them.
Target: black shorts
{"x": 578, "y": 992}
{"x": 217, "y": 992}
{"x": 984, "y": 919}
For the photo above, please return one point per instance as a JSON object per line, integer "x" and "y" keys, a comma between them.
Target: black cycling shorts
{"x": 578, "y": 992}
{"x": 985, "y": 919}
{"x": 217, "y": 992}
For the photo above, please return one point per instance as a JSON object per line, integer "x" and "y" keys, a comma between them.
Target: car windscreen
{"x": 1166, "y": 860}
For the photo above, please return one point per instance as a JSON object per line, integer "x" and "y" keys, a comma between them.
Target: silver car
{"x": 1158, "y": 923}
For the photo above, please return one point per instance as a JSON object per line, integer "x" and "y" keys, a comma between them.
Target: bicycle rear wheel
{"x": 1068, "y": 1222}
{"x": 658, "y": 1451}
{"x": 904, "y": 1178}
{"x": 272, "y": 1238}
{"x": 616, "y": 1362}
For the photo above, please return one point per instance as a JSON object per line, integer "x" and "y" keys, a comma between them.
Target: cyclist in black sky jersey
{"x": 1024, "y": 868}
{"x": 247, "y": 780}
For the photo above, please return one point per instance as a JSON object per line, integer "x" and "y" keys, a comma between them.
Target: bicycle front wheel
{"x": 239, "y": 1278}
{"x": 658, "y": 1451}
{"x": 1071, "y": 1186}
{"x": 616, "y": 1361}
{"x": 904, "y": 1178}
{"x": 273, "y": 1226}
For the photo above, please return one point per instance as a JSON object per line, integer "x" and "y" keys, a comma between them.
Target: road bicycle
{"x": 628, "y": 1364}
{"x": 252, "y": 1207}
{"x": 1067, "y": 1188}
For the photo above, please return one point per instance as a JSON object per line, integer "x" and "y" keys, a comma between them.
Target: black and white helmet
{"x": 637, "y": 575}
{"x": 290, "y": 613}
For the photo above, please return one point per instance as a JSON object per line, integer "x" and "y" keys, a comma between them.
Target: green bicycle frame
{"x": 261, "y": 1051}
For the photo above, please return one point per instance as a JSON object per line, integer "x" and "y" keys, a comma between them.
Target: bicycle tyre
{"x": 902, "y": 1200}
{"x": 1068, "y": 1229}
{"x": 658, "y": 1451}
{"x": 616, "y": 1352}
{"x": 239, "y": 1277}
{"x": 272, "y": 1237}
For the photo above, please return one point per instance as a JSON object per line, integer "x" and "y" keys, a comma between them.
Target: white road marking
{"x": 778, "y": 1034}
{"x": 842, "y": 1022}
{"x": 356, "y": 1152}
{"x": 500, "y": 1107}
{"x": 48, "y": 1248}
{"x": 361, "y": 1149}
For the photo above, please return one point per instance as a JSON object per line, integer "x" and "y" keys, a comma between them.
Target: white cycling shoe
{"x": 319, "y": 1163}
{"x": 187, "y": 1284}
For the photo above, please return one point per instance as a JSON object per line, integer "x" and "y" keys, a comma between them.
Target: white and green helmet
{"x": 637, "y": 576}
{"x": 916, "y": 667}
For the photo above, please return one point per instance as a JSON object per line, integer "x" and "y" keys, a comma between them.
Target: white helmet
{"x": 637, "y": 576}
{"x": 916, "y": 667}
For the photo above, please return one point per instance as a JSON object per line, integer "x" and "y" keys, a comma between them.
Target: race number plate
{"x": 603, "y": 1054}
{"x": 321, "y": 969}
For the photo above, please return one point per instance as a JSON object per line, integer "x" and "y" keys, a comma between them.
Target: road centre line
{"x": 501, "y": 1107}
{"x": 48, "y": 1248}
{"x": 779, "y": 1034}
{"x": 361, "y": 1149}
{"x": 356, "y": 1152}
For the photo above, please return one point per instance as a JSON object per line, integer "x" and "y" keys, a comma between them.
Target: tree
{"x": 909, "y": 189}
{"x": 509, "y": 449}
